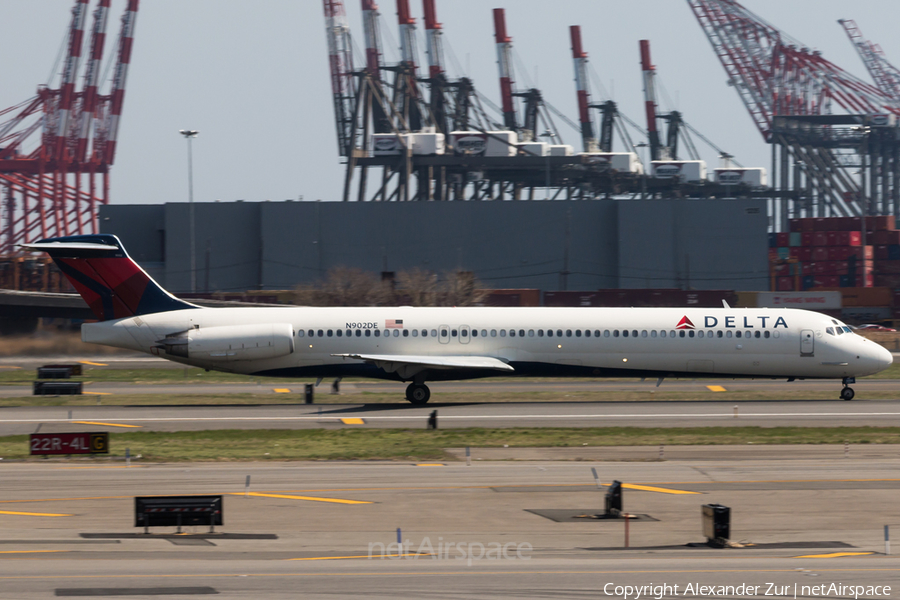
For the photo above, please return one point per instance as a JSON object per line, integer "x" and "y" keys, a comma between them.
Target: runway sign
{"x": 69, "y": 443}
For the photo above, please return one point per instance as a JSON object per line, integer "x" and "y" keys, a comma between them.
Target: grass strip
{"x": 421, "y": 444}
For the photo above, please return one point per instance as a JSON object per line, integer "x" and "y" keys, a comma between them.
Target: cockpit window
{"x": 829, "y": 331}
{"x": 847, "y": 329}
{"x": 840, "y": 330}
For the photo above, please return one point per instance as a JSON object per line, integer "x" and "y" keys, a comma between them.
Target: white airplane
{"x": 416, "y": 345}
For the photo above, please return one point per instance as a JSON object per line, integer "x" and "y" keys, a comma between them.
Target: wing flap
{"x": 391, "y": 362}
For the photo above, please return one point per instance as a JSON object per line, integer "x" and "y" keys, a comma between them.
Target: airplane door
{"x": 463, "y": 334}
{"x": 444, "y": 335}
{"x": 807, "y": 342}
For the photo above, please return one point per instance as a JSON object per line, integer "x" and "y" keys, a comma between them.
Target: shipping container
{"x": 784, "y": 284}
{"x": 884, "y": 237}
{"x": 623, "y": 162}
{"x": 389, "y": 144}
{"x": 783, "y": 253}
{"x": 820, "y": 253}
{"x": 848, "y": 252}
{"x": 561, "y": 150}
{"x": 802, "y": 253}
{"x": 746, "y": 299}
{"x": 511, "y": 297}
{"x": 501, "y": 143}
{"x": 533, "y": 149}
{"x": 795, "y": 239}
{"x": 888, "y": 280}
{"x": 469, "y": 143}
{"x": 427, "y": 143}
{"x": 783, "y": 239}
{"x": 827, "y": 281}
{"x": 881, "y": 223}
{"x": 686, "y": 170}
{"x": 820, "y": 238}
{"x": 807, "y": 300}
{"x": 641, "y": 297}
{"x": 866, "y": 296}
{"x": 755, "y": 177}
{"x": 807, "y": 237}
{"x": 866, "y": 314}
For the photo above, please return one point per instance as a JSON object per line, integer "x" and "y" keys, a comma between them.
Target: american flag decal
{"x": 393, "y": 324}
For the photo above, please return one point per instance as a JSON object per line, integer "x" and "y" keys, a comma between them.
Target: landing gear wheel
{"x": 418, "y": 393}
{"x": 847, "y": 393}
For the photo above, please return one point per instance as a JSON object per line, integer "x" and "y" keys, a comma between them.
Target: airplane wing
{"x": 408, "y": 365}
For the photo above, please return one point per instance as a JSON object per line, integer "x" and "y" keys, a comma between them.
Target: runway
{"x": 20, "y": 420}
{"x": 797, "y": 519}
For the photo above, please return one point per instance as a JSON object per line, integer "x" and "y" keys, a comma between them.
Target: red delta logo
{"x": 685, "y": 323}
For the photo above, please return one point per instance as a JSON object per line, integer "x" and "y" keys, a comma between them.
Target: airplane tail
{"x": 111, "y": 283}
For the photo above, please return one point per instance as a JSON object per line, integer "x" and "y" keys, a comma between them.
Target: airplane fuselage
{"x": 652, "y": 342}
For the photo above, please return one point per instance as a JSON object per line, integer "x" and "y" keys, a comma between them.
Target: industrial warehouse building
{"x": 549, "y": 245}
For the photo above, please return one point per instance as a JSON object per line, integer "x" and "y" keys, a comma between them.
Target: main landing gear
{"x": 847, "y": 393}
{"x": 418, "y": 393}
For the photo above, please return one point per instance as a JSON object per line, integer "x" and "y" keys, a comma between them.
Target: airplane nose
{"x": 884, "y": 358}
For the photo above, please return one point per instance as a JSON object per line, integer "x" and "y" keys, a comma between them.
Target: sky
{"x": 253, "y": 78}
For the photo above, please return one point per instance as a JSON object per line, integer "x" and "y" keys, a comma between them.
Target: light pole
{"x": 189, "y": 135}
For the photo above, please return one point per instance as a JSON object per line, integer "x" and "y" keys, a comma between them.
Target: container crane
{"x": 885, "y": 75}
{"x": 340, "y": 59}
{"x": 579, "y": 57}
{"x": 40, "y": 199}
{"x": 504, "y": 63}
{"x": 650, "y": 105}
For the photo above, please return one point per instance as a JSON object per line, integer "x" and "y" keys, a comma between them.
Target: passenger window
{"x": 699, "y": 334}
{"x": 737, "y": 334}
{"x": 615, "y": 333}
{"x": 691, "y": 333}
{"x": 358, "y": 333}
{"x": 568, "y": 333}
{"x": 396, "y": 333}
{"x": 596, "y": 333}
{"x": 377, "y": 333}
{"x": 671, "y": 334}
{"x": 766, "y": 334}
{"x": 681, "y": 333}
{"x": 634, "y": 333}
{"x": 719, "y": 334}
{"x": 300, "y": 333}
{"x": 549, "y": 333}
{"x": 644, "y": 333}
{"x": 484, "y": 333}
{"x": 415, "y": 332}
{"x": 757, "y": 334}
{"x": 521, "y": 333}
{"x": 559, "y": 333}
{"x": 453, "y": 333}
{"x": 434, "y": 333}
{"x": 443, "y": 333}
{"x": 606, "y": 333}
{"x": 653, "y": 333}
{"x": 577, "y": 333}
{"x": 310, "y": 333}
{"x": 493, "y": 333}
{"x": 369, "y": 332}
{"x": 587, "y": 333}
{"x": 512, "y": 333}
{"x": 405, "y": 332}
{"x": 728, "y": 334}
{"x": 531, "y": 333}
{"x": 748, "y": 334}
{"x": 339, "y": 333}
{"x": 540, "y": 333}
{"x": 502, "y": 333}
{"x": 321, "y": 333}
{"x": 662, "y": 333}
{"x": 625, "y": 333}
{"x": 474, "y": 333}
{"x": 776, "y": 334}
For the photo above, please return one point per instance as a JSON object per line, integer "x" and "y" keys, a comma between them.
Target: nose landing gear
{"x": 418, "y": 393}
{"x": 847, "y": 393}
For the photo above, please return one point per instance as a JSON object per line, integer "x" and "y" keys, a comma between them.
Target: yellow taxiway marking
{"x": 650, "y": 488}
{"x": 281, "y": 390}
{"x": 93, "y": 364}
{"x": 106, "y": 424}
{"x": 9, "y": 367}
{"x": 312, "y": 498}
{"x": 716, "y": 388}
{"x": 363, "y": 556}
{"x": 32, "y": 514}
{"x": 352, "y": 421}
{"x": 834, "y": 555}
{"x": 429, "y": 465}
{"x": 96, "y": 393}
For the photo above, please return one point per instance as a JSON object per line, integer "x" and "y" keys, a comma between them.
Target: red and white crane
{"x": 650, "y": 104}
{"x": 47, "y": 144}
{"x": 340, "y": 60}
{"x": 504, "y": 63}
{"x": 579, "y": 56}
{"x": 433, "y": 47}
{"x": 885, "y": 75}
{"x": 372, "y": 34}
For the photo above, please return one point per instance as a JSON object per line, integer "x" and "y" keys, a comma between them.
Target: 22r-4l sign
{"x": 69, "y": 443}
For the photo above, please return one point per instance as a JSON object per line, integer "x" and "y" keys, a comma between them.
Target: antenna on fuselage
{"x": 725, "y": 303}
